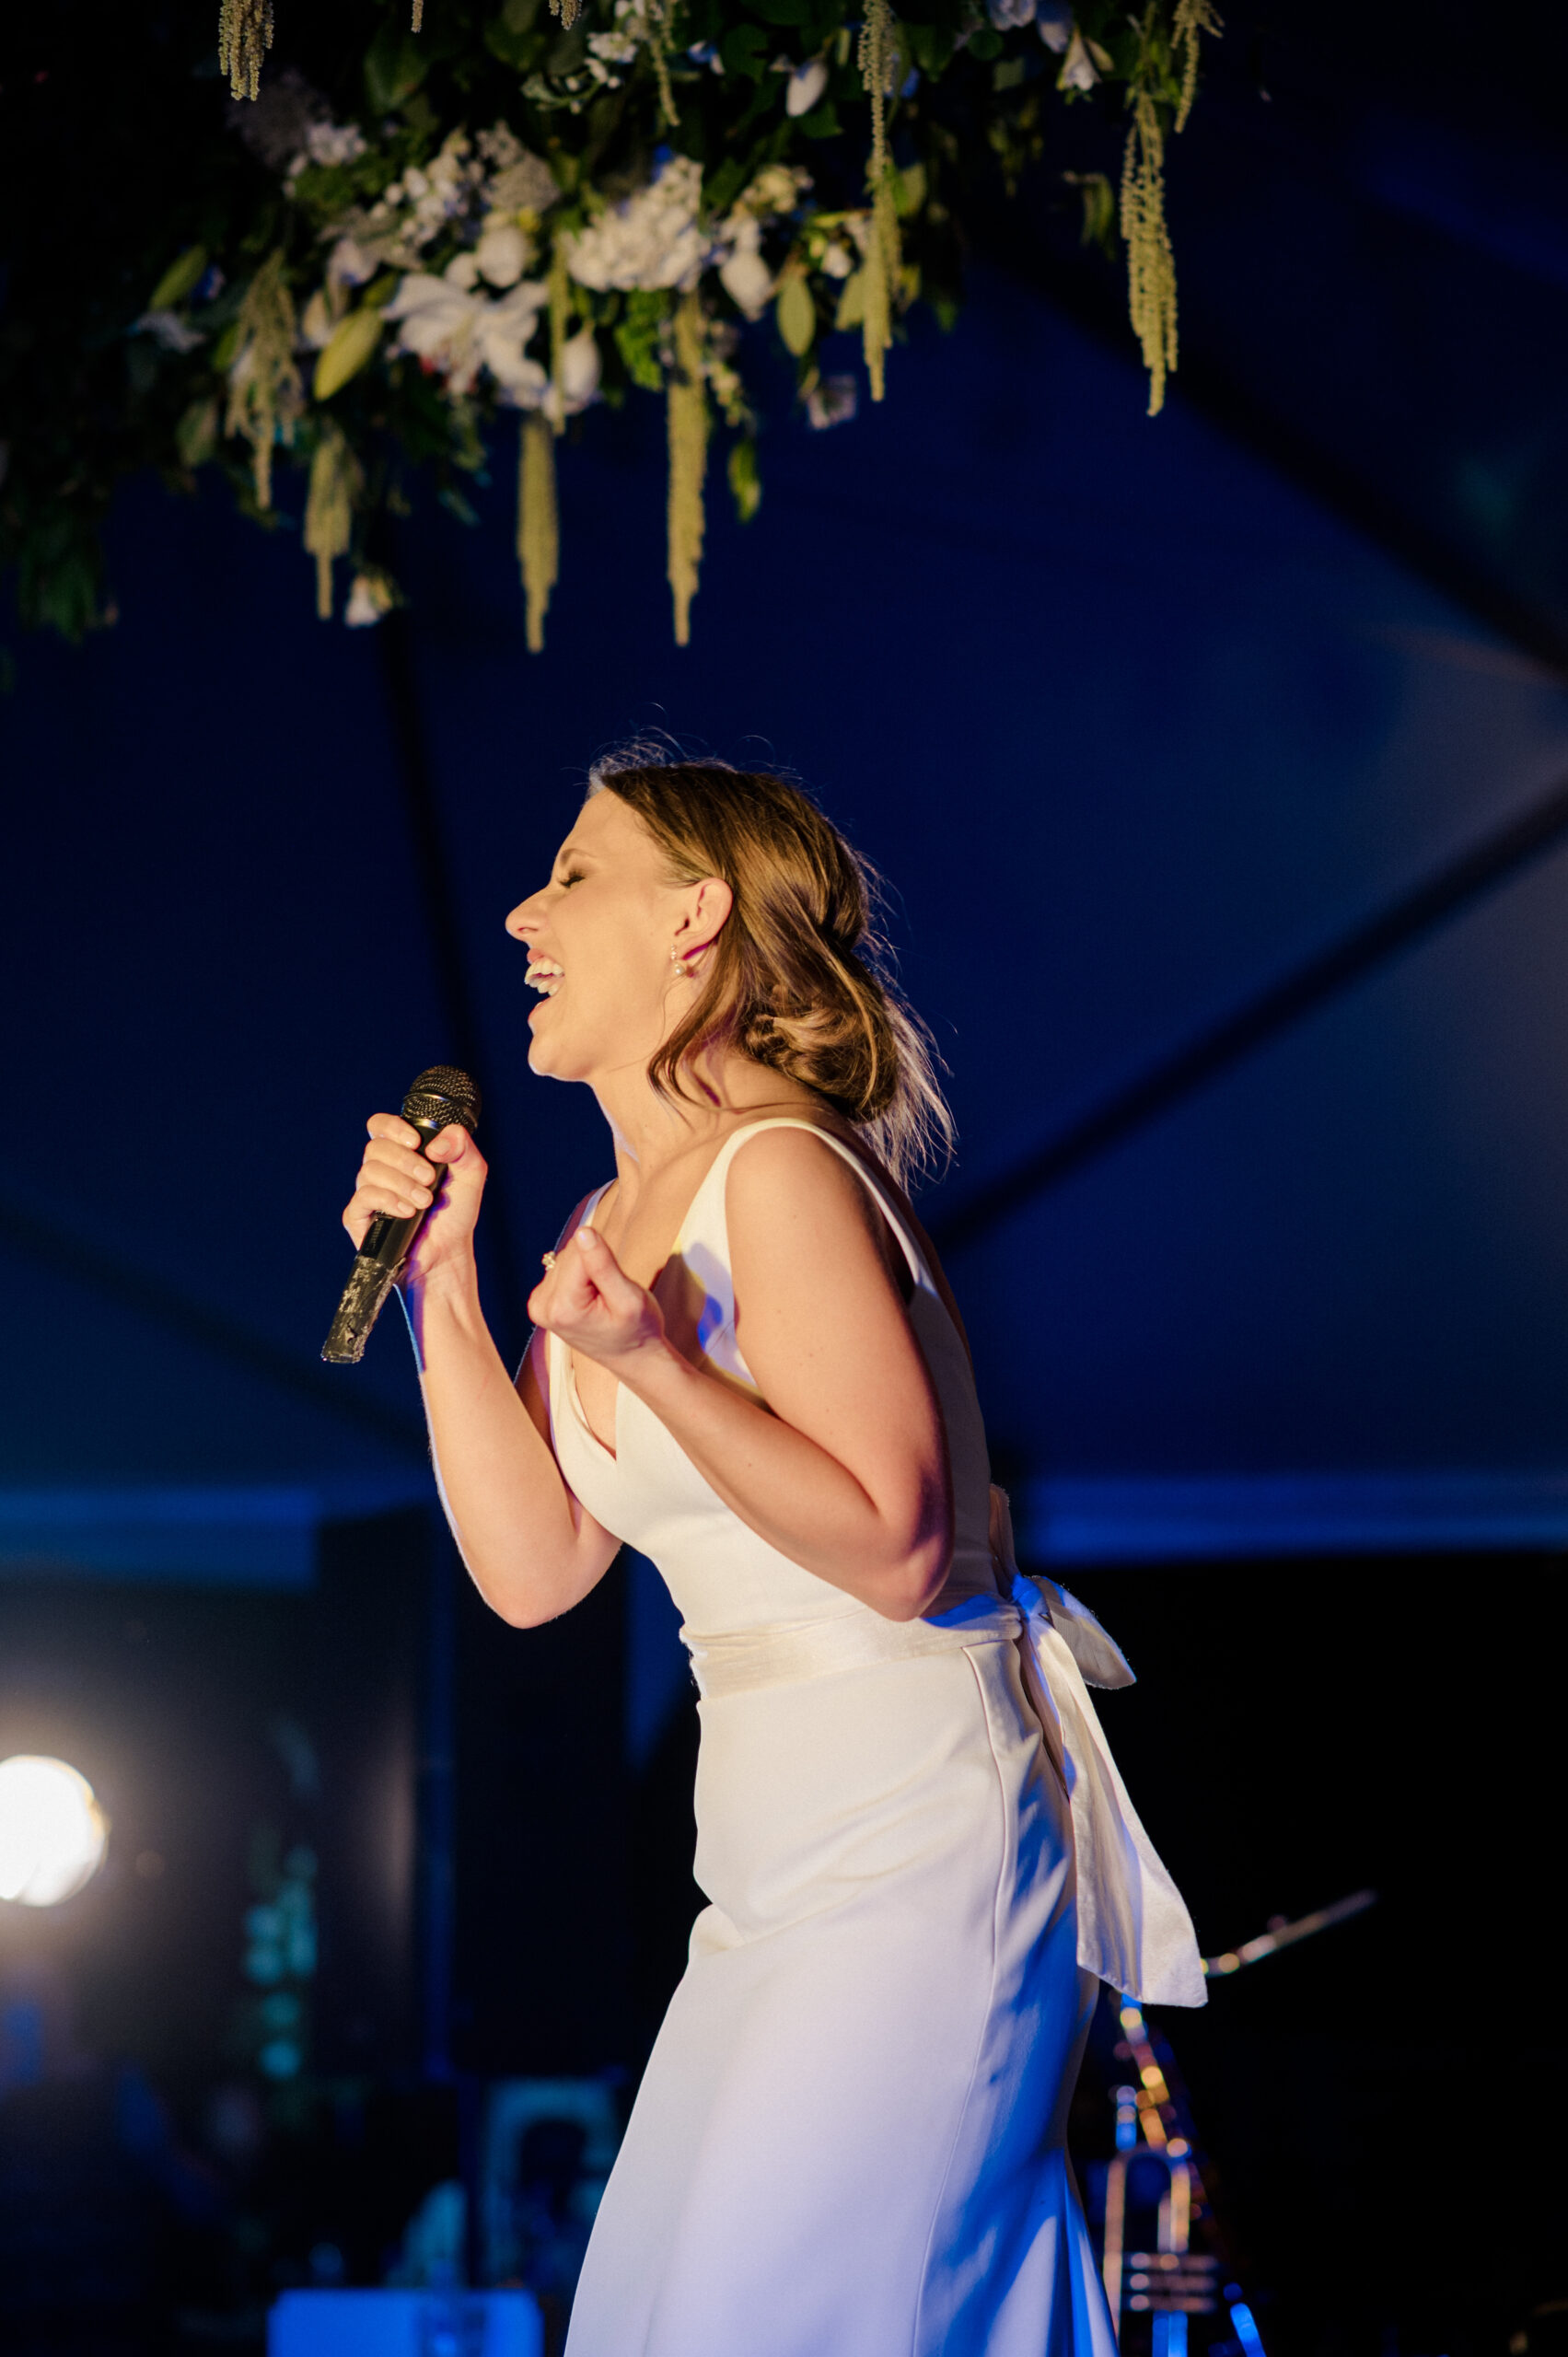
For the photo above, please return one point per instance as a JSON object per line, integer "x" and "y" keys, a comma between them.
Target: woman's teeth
{"x": 545, "y": 976}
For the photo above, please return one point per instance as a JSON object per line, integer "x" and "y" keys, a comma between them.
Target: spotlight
{"x": 53, "y": 1832}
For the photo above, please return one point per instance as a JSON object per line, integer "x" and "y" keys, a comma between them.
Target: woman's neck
{"x": 651, "y": 1131}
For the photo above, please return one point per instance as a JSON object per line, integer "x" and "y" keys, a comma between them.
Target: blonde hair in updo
{"x": 799, "y": 980}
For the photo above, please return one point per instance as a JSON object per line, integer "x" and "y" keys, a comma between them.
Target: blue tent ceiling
{"x": 1133, "y": 720}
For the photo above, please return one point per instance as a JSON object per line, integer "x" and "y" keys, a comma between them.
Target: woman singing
{"x": 746, "y": 1363}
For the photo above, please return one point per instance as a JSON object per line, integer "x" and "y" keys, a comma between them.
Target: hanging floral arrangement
{"x": 517, "y": 212}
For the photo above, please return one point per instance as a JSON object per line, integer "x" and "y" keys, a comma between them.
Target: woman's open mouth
{"x": 545, "y": 976}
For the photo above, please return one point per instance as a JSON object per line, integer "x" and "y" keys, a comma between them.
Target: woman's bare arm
{"x": 845, "y": 1469}
{"x": 532, "y": 1548}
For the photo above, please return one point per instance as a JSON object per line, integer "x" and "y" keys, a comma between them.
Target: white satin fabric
{"x": 848, "y": 2140}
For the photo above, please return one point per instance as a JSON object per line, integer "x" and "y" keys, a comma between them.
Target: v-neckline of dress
{"x": 574, "y": 1398}
{"x": 612, "y": 1456}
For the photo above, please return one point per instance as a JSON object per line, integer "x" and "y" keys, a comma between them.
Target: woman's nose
{"x": 524, "y": 919}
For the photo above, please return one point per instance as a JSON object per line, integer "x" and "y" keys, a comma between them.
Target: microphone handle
{"x": 388, "y": 1243}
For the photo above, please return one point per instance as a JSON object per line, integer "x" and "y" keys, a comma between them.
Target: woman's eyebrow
{"x": 572, "y": 851}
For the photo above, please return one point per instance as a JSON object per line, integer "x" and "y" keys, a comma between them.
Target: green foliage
{"x": 745, "y": 481}
{"x": 179, "y": 280}
{"x": 796, "y": 316}
{"x": 143, "y": 205}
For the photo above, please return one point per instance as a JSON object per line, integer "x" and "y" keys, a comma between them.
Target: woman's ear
{"x": 707, "y": 912}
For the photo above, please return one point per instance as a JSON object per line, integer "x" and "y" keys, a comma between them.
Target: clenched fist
{"x": 395, "y": 1176}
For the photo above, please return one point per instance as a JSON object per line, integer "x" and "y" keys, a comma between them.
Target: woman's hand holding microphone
{"x": 584, "y": 1297}
{"x": 395, "y": 1177}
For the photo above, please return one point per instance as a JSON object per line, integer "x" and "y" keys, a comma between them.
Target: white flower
{"x": 369, "y": 599}
{"x": 1054, "y": 22}
{"x": 501, "y": 254}
{"x": 778, "y": 188}
{"x": 1078, "y": 69}
{"x": 349, "y": 263}
{"x": 528, "y": 185}
{"x": 502, "y": 330}
{"x": 648, "y": 240}
{"x": 501, "y": 147}
{"x": 743, "y": 274}
{"x": 837, "y": 261}
{"x": 316, "y": 322}
{"x": 618, "y": 47}
{"x": 579, "y": 374}
{"x": 335, "y": 143}
{"x": 807, "y": 83}
{"x": 168, "y": 331}
{"x": 832, "y": 402}
{"x": 1005, "y": 13}
{"x": 438, "y": 321}
{"x": 459, "y": 333}
{"x": 462, "y": 271}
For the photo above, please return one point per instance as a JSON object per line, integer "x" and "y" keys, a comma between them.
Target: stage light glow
{"x": 53, "y": 1832}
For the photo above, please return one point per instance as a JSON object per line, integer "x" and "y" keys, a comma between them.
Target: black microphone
{"x": 441, "y": 1096}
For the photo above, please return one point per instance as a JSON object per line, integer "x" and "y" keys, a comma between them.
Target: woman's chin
{"x": 547, "y": 1049}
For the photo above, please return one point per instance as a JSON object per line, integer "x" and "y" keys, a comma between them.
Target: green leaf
{"x": 637, "y": 337}
{"x": 985, "y": 44}
{"x": 930, "y": 46}
{"x": 908, "y": 190}
{"x": 720, "y": 193}
{"x": 178, "y": 279}
{"x": 395, "y": 65}
{"x": 1008, "y": 75}
{"x": 568, "y": 54}
{"x": 745, "y": 482}
{"x": 822, "y": 122}
{"x": 521, "y": 50}
{"x": 744, "y": 49}
{"x": 353, "y": 341}
{"x": 796, "y": 315}
{"x": 852, "y": 302}
{"x": 196, "y": 436}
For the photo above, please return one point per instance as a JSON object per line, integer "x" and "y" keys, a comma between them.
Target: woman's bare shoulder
{"x": 797, "y": 1170}
{"x": 795, "y": 1182}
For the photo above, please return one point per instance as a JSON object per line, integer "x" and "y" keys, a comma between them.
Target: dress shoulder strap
{"x": 704, "y": 1215}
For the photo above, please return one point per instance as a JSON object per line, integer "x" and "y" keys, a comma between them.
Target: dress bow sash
{"x": 1134, "y": 1928}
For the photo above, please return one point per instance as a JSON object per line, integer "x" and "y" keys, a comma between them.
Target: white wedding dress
{"x": 920, "y": 1860}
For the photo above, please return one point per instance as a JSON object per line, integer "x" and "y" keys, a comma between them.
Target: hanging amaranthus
{"x": 882, "y": 264}
{"x": 336, "y": 480}
{"x": 876, "y": 61}
{"x": 245, "y": 35}
{"x": 688, "y": 426}
{"x": 1192, "y": 20}
{"x": 661, "y": 15}
{"x": 1151, "y": 266}
{"x": 539, "y": 530}
{"x": 265, "y": 392}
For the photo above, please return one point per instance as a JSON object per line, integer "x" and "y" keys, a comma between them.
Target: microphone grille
{"x": 442, "y": 1095}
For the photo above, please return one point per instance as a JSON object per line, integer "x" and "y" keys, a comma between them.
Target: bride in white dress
{"x": 919, "y": 1858}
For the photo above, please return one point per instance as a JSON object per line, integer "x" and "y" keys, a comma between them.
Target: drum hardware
{"x": 1153, "y": 2125}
